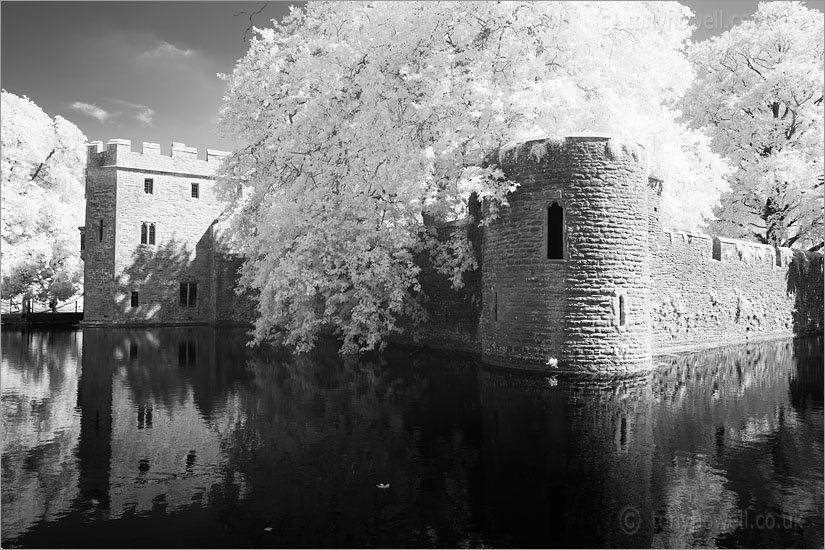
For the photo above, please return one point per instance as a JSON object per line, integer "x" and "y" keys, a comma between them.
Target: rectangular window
{"x": 188, "y": 294}
{"x": 151, "y": 233}
{"x": 101, "y": 230}
{"x": 495, "y": 306}
{"x": 148, "y": 186}
{"x": 134, "y": 299}
{"x": 195, "y": 191}
{"x": 83, "y": 241}
{"x": 143, "y": 233}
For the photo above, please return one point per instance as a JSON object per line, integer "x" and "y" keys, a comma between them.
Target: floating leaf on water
{"x": 383, "y": 485}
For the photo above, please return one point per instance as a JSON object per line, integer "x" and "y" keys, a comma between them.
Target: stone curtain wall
{"x": 744, "y": 294}
{"x": 536, "y": 308}
{"x": 453, "y": 315}
{"x": 230, "y": 308}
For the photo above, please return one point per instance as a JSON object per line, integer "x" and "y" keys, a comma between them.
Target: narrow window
{"x": 148, "y": 186}
{"x": 555, "y": 232}
{"x": 495, "y": 306}
{"x": 134, "y": 299}
{"x": 195, "y": 190}
{"x": 143, "y": 233}
{"x": 101, "y": 230}
{"x": 133, "y": 350}
{"x": 151, "y": 233}
{"x": 83, "y": 241}
{"x": 622, "y": 309}
{"x": 189, "y": 294}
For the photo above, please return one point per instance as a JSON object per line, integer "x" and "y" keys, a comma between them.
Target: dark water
{"x": 185, "y": 437}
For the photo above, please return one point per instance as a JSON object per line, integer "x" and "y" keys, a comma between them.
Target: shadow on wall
{"x": 805, "y": 282}
{"x": 155, "y": 273}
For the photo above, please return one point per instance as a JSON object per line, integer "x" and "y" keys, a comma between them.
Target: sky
{"x": 145, "y": 71}
{"x": 148, "y": 71}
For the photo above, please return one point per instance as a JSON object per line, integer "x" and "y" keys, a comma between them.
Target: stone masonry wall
{"x": 99, "y": 256}
{"x": 183, "y": 237}
{"x": 230, "y": 308}
{"x": 524, "y": 293}
{"x": 536, "y": 308}
{"x": 710, "y": 290}
{"x": 453, "y": 314}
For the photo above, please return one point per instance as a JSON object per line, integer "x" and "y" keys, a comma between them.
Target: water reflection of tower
{"x": 149, "y": 434}
{"x": 94, "y": 398}
{"x": 588, "y": 448}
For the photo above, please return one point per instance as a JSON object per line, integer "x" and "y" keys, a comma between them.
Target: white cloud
{"x": 165, "y": 49}
{"x": 145, "y": 116}
{"x": 92, "y": 110}
{"x": 142, "y": 114}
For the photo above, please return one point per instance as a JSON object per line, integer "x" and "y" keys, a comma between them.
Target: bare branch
{"x": 42, "y": 164}
{"x": 251, "y": 23}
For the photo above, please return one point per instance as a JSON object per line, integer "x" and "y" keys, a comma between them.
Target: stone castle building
{"x": 150, "y": 246}
{"x": 578, "y": 268}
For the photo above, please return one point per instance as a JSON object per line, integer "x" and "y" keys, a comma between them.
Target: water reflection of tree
{"x": 157, "y": 372}
{"x": 40, "y": 430}
{"x": 740, "y": 444}
{"x": 323, "y": 431}
{"x": 807, "y": 382}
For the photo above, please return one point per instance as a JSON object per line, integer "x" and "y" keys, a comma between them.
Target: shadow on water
{"x": 186, "y": 437}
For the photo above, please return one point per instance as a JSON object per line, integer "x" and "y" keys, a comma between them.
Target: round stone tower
{"x": 567, "y": 265}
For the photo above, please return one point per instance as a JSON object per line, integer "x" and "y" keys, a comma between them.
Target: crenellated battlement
{"x": 725, "y": 249}
{"x": 541, "y": 150}
{"x": 182, "y": 160}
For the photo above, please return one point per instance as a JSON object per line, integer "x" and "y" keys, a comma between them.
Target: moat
{"x": 188, "y": 438}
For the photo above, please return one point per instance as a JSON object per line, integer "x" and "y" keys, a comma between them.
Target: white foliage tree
{"x": 759, "y": 91}
{"x": 43, "y": 162}
{"x": 359, "y": 116}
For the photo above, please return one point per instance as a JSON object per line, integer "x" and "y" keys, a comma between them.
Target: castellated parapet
{"x": 182, "y": 161}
